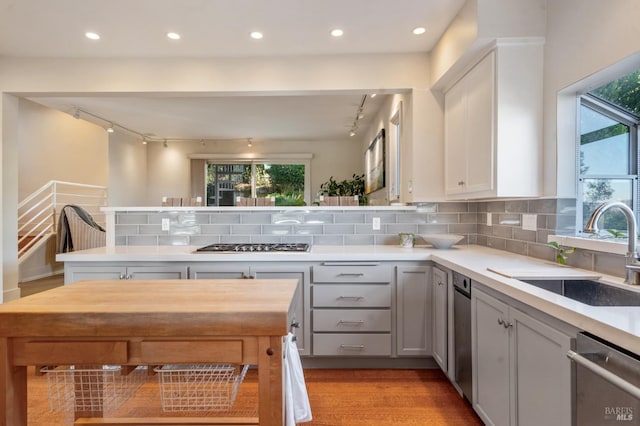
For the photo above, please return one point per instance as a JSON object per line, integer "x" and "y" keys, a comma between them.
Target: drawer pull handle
{"x": 352, "y": 347}
{"x": 351, "y": 274}
{"x": 354, "y": 323}
{"x": 350, "y": 297}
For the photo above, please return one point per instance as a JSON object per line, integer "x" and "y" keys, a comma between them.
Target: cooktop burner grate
{"x": 255, "y": 247}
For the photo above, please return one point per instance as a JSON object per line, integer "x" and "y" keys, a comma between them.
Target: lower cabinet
{"x": 237, "y": 270}
{"x": 103, "y": 272}
{"x": 521, "y": 375}
{"x": 413, "y": 311}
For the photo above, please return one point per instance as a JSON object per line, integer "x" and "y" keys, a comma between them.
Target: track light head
{"x": 249, "y": 144}
{"x": 165, "y": 144}
{"x": 110, "y": 128}
{"x": 76, "y": 114}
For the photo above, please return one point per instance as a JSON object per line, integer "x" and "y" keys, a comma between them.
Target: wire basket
{"x": 100, "y": 389}
{"x": 199, "y": 387}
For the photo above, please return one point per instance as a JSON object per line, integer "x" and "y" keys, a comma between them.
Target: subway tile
{"x": 483, "y": 229}
{"x": 443, "y": 218}
{"x": 121, "y": 240}
{"x": 516, "y": 206}
{"x": 132, "y": 219}
{"x": 610, "y": 264}
{"x": 339, "y": 229}
{"x": 497, "y": 243}
{"x": 518, "y": 247}
{"x": 502, "y": 231}
{"x": 542, "y": 235}
{"x": 566, "y": 206}
{"x": 235, "y": 239}
{"x": 413, "y": 218}
{"x": 276, "y": 229}
{"x": 542, "y": 251}
{"x": 246, "y": 229}
{"x": 507, "y": 219}
{"x": 349, "y": 218}
{"x": 397, "y": 228}
{"x": 307, "y": 239}
{"x": 543, "y": 205}
{"x": 173, "y": 240}
{"x": 230, "y": 218}
{"x": 126, "y": 230}
{"x": 469, "y": 218}
{"x": 185, "y": 230}
{"x": 433, "y": 229}
{"x": 481, "y": 207}
{"x": 203, "y": 240}
{"x": 453, "y": 207}
{"x": 426, "y": 207}
{"x": 150, "y": 229}
{"x": 319, "y": 218}
{"x": 386, "y": 239}
{"x": 328, "y": 240}
{"x": 541, "y": 221}
{"x": 266, "y": 239}
{"x": 582, "y": 259}
{"x": 255, "y": 218}
{"x": 202, "y": 218}
{"x": 384, "y": 217}
{"x": 524, "y": 235}
{"x": 472, "y": 239}
{"x": 463, "y": 228}
{"x": 286, "y": 218}
{"x": 351, "y": 240}
{"x": 496, "y": 206}
{"x": 216, "y": 229}
{"x": 481, "y": 240}
{"x": 307, "y": 229}
{"x": 142, "y": 240}
{"x": 473, "y": 207}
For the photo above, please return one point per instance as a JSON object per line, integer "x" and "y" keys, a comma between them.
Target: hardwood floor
{"x": 337, "y": 397}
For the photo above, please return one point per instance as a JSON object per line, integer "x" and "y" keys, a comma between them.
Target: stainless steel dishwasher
{"x": 607, "y": 383}
{"x": 462, "y": 333}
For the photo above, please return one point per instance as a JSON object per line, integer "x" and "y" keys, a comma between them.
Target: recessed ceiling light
{"x": 337, "y": 32}
{"x": 173, "y": 36}
{"x": 256, "y": 35}
{"x": 419, "y": 30}
{"x": 92, "y": 36}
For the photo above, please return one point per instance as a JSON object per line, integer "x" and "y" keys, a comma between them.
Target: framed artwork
{"x": 374, "y": 164}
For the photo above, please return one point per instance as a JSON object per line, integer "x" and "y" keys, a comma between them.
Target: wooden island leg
{"x": 13, "y": 388}
{"x": 270, "y": 381}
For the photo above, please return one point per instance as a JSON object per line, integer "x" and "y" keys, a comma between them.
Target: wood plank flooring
{"x": 337, "y": 397}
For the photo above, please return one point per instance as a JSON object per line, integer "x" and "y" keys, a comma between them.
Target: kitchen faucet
{"x": 632, "y": 275}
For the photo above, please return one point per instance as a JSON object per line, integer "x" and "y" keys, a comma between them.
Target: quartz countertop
{"x": 619, "y": 325}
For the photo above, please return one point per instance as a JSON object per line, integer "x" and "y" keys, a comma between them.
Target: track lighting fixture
{"x": 165, "y": 144}
{"x": 110, "y": 129}
{"x": 249, "y": 144}
{"x": 359, "y": 116}
{"x": 144, "y": 140}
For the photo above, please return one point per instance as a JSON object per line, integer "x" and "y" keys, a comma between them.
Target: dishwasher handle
{"x": 607, "y": 375}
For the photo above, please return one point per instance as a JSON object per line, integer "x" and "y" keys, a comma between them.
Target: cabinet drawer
{"x": 344, "y": 320}
{"x": 352, "y": 344}
{"x": 352, "y": 273}
{"x": 352, "y": 296}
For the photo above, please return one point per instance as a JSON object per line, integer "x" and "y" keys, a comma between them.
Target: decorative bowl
{"x": 442, "y": 241}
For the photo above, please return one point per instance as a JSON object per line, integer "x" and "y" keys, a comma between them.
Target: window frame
{"x": 622, "y": 116}
{"x": 253, "y": 159}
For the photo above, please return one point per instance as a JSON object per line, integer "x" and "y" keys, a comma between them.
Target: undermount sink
{"x": 589, "y": 292}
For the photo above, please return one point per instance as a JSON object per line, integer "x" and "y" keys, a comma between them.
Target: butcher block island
{"x": 149, "y": 323}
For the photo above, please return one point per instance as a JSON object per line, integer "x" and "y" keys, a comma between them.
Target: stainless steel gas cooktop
{"x": 255, "y": 247}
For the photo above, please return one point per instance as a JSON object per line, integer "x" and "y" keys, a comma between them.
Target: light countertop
{"x": 620, "y": 325}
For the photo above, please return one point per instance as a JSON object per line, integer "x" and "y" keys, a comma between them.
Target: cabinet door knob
{"x": 501, "y": 322}
{"x": 460, "y": 182}
{"x": 123, "y": 276}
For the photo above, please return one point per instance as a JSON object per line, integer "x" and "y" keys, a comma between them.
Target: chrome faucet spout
{"x": 633, "y": 262}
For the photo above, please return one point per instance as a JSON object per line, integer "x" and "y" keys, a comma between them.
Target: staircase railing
{"x": 38, "y": 213}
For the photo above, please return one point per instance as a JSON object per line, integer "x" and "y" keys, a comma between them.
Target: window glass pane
{"x": 285, "y": 182}
{"x": 596, "y": 191}
{"x": 225, "y": 182}
{"x": 623, "y": 92}
{"x": 604, "y": 144}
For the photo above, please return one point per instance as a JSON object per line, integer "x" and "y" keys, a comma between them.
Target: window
{"x": 608, "y": 150}
{"x": 285, "y": 180}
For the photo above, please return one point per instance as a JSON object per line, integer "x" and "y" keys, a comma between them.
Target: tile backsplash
{"x": 497, "y": 224}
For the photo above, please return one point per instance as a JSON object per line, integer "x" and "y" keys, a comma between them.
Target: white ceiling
{"x": 220, "y": 28}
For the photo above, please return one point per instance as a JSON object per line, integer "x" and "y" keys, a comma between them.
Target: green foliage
{"x": 624, "y": 92}
{"x": 562, "y": 252}
{"x": 353, "y": 186}
{"x": 616, "y": 234}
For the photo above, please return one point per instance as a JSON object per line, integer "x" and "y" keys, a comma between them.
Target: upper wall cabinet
{"x": 493, "y": 126}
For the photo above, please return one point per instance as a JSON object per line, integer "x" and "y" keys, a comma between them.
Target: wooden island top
{"x": 147, "y": 323}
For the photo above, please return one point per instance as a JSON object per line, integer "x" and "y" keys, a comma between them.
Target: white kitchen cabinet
{"x": 440, "y": 320}
{"x": 413, "y": 311}
{"x": 123, "y": 272}
{"x": 521, "y": 375}
{"x": 493, "y": 126}
{"x": 300, "y": 308}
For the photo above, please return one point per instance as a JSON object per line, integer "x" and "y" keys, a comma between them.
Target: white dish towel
{"x": 296, "y": 399}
